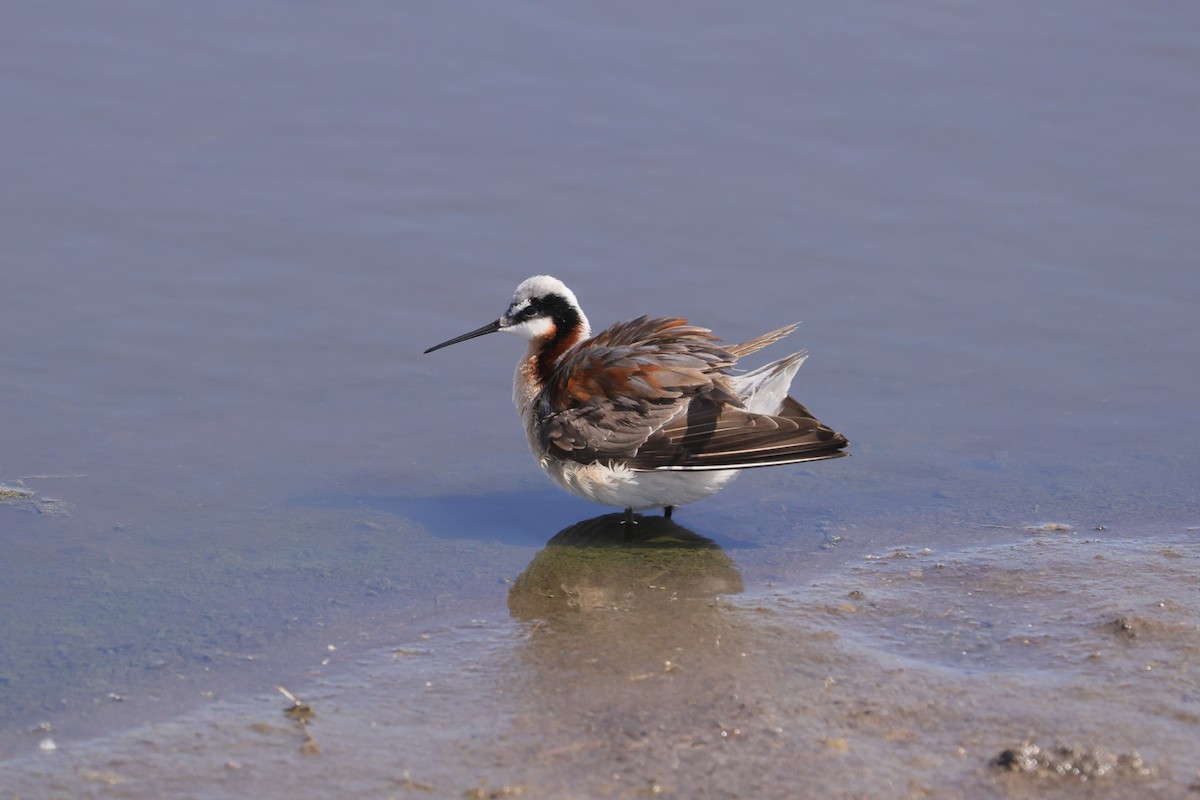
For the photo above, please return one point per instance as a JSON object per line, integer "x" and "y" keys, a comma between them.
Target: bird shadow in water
{"x": 518, "y": 517}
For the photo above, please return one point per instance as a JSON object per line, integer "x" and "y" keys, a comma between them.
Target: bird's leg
{"x": 627, "y": 524}
{"x": 667, "y": 512}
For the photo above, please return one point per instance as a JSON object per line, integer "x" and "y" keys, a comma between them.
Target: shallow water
{"x": 907, "y": 674}
{"x": 228, "y": 235}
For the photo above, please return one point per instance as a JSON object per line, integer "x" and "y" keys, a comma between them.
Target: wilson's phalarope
{"x": 645, "y": 414}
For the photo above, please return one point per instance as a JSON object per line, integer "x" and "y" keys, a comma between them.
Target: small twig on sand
{"x": 303, "y": 714}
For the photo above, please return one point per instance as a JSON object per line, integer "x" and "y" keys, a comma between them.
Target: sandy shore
{"x": 1057, "y": 666}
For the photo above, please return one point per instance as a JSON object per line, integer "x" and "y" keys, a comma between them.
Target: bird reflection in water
{"x": 629, "y": 643}
{"x": 600, "y": 565}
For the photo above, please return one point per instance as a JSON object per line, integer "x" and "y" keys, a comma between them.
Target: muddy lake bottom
{"x": 1058, "y": 663}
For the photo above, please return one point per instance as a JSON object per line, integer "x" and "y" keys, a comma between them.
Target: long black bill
{"x": 491, "y": 327}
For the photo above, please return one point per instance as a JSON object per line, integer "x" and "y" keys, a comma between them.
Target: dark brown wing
{"x": 615, "y": 391}
{"x": 652, "y": 393}
{"x": 716, "y": 435}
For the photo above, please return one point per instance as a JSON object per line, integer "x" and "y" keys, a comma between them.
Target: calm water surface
{"x": 230, "y": 230}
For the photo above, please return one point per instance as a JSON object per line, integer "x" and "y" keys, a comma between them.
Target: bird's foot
{"x": 628, "y": 523}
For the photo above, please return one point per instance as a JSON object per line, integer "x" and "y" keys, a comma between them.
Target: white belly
{"x": 626, "y": 488}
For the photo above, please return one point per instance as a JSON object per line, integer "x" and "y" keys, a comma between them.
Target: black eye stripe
{"x": 533, "y": 308}
{"x": 549, "y": 306}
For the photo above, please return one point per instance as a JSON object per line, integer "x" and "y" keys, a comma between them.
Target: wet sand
{"x": 1058, "y": 664}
